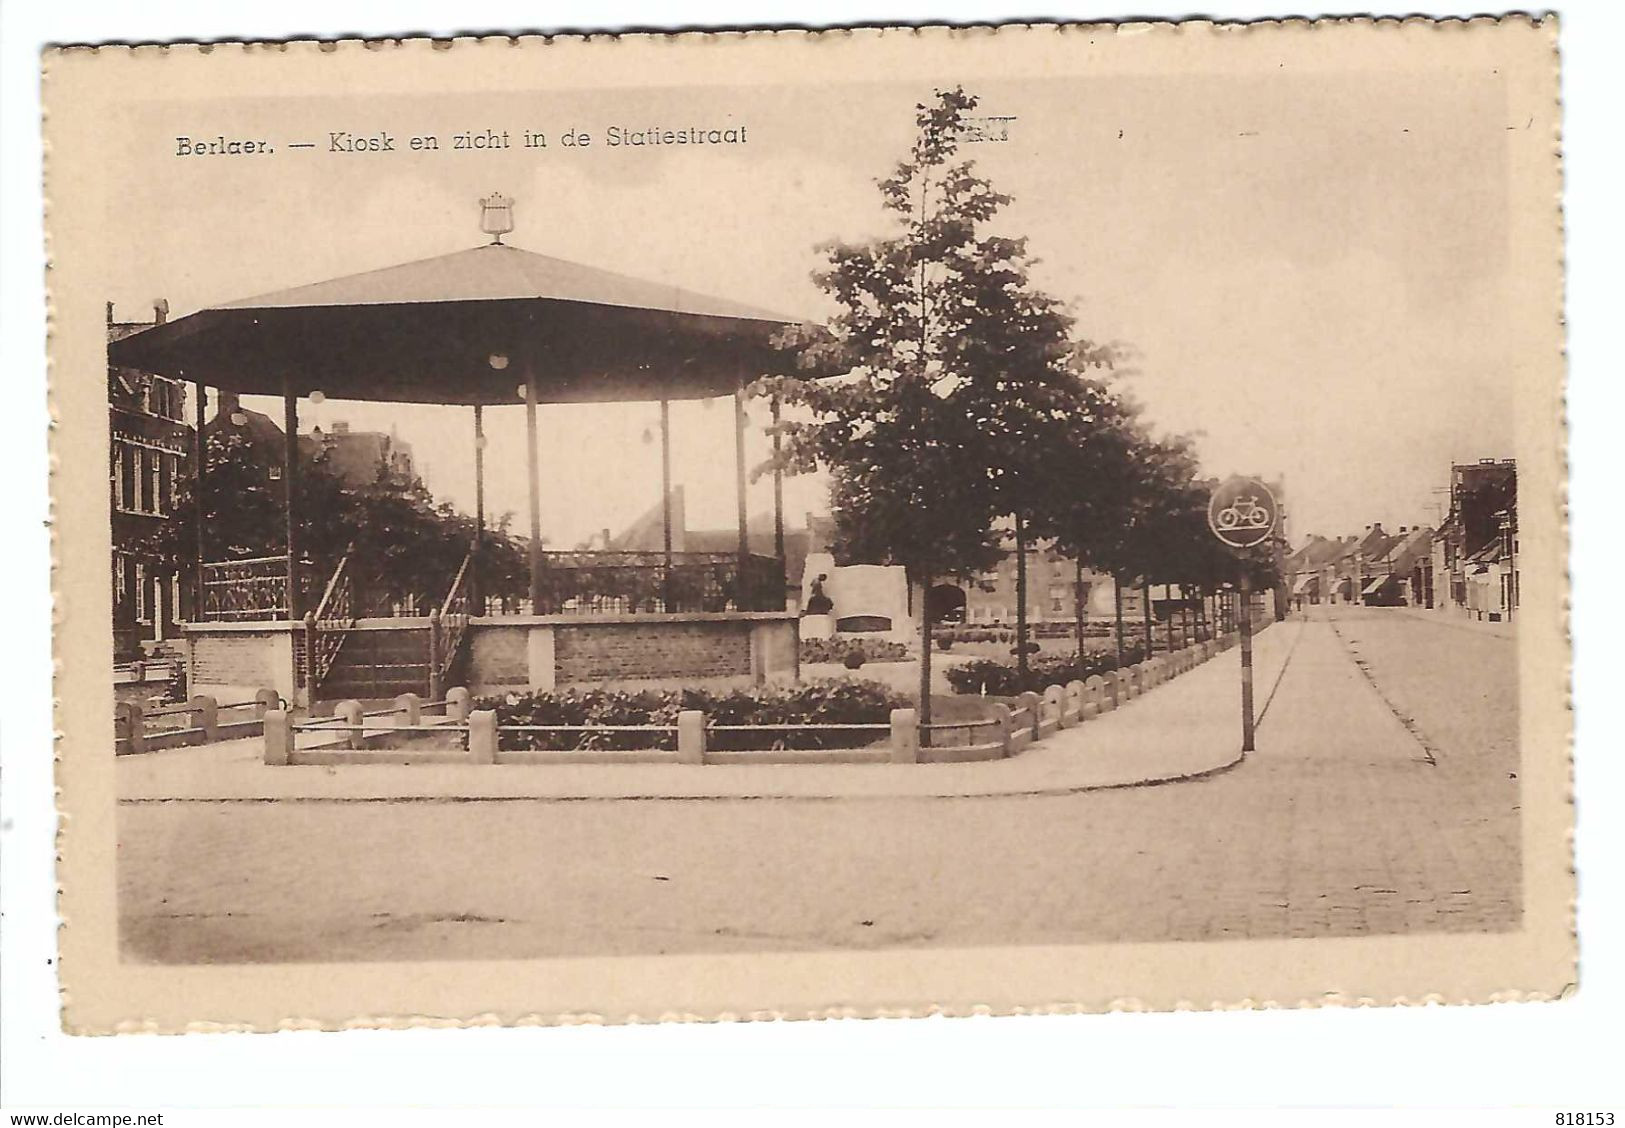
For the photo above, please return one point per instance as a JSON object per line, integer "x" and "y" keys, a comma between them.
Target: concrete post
{"x": 482, "y": 736}
{"x": 278, "y": 737}
{"x": 1076, "y": 696}
{"x": 135, "y": 725}
{"x": 349, "y": 713}
{"x": 205, "y": 716}
{"x": 1034, "y": 705}
{"x": 457, "y": 703}
{"x": 1055, "y": 701}
{"x": 264, "y": 701}
{"x": 905, "y": 736}
{"x": 411, "y": 707}
{"x": 434, "y": 655}
{"x": 1006, "y": 730}
{"x": 691, "y": 737}
{"x": 1097, "y": 699}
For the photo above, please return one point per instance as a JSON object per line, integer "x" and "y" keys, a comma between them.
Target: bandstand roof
{"x": 423, "y": 332}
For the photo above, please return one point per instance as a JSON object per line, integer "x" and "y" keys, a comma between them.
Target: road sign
{"x": 1242, "y": 512}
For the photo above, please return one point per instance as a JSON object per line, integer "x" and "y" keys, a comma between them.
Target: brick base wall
{"x": 651, "y": 650}
{"x": 233, "y": 659}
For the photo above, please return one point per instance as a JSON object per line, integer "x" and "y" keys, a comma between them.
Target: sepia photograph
{"x": 1046, "y": 496}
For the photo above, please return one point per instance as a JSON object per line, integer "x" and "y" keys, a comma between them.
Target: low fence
{"x": 146, "y": 671}
{"x": 200, "y": 720}
{"x": 452, "y": 732}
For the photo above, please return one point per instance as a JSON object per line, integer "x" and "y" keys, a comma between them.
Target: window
{"x": 124, "y": 477}
{"x": 157, "y": 462}
{"x": 141, "y": 615}
{"x": 171, "y": 484}
{"x": 143, "y": 458}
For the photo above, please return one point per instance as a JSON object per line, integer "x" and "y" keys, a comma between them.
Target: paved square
{"x": 1383, "y": 799}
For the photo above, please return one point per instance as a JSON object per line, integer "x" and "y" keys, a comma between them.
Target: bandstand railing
{"x": 253, "y": 588}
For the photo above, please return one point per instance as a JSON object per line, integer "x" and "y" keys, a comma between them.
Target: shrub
{"x": 1003, "y": 679}
{"x": 828, "y": 702}
{"x": 945, "y": 643}
{"x": 837, "y": 650}
{"x": 854, "y": 658}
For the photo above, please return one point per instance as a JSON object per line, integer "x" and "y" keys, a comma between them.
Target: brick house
{"x": 1474, "y": 557}
{"x": 150, "y": 450}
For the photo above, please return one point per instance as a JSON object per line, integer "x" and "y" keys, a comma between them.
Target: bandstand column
{"x": 665, "y": 503}
{"x": 290, "y": 474}
{"x": 476, "y": 593}
{"x": 533, "y": 461}
{"x": 739, "y": 486}
{"x": 778, "y": 487}
{"x": 200, "y": 462}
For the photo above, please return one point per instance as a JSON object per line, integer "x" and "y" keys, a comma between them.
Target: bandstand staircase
{"x": 380, "y": 658}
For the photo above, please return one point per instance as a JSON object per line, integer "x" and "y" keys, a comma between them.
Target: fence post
{"x": 278, "y": 737}
{"x": 1035, "y": 710}
{"x": 457, "y": 703}
{"x": 434, "y": 655}
{"x": 349, "y": 712}
{"x": 1055, "y": 697}
{"x": 1096, "y": 697}
{"x": 205, "y": 716}
{"x": 1075, "y": 694}
{"x": 905, "y": 736}
{"x": 691, "y": 737}
{"x": 1001, "y": 713}
{"x": 309, "y": 664}
{"x": 482, "y": 736}
{"x": 411, "y": 707}
{"x": 135, "y": 725}
{"x": 264, "y": 701}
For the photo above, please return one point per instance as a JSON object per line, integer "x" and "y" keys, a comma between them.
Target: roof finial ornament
{"x": 496, "y": 217}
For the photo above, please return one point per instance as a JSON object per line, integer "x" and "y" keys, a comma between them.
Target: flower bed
{"x": 821, "y": 703}
{"x": 1003, "y": 679}
{"x": 841, "y": 649}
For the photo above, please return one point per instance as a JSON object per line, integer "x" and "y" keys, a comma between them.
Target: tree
{"x": 407, "y": 548}
{"x": 959, "y": 377}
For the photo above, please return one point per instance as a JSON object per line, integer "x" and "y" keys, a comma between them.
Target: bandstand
{"x": 489, "y": 326}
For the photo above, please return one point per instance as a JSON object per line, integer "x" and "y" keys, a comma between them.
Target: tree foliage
{"x": 407, "y": 546}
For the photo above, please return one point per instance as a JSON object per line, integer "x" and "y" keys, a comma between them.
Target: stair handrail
{"x": 456, "y": 601}
{"x": 335, "y": 612}
{"x": 447, "y": 626}
{"x": 332, "y": 592}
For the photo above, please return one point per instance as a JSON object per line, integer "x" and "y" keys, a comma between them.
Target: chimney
{"x": 226, "y": 403}
{"x": 160, "y": 311}
{"x": 110, "y": 313}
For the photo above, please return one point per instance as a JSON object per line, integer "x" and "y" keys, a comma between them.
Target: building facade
{"x": 1474, "y": 559}
{"x": 150, "y": 452}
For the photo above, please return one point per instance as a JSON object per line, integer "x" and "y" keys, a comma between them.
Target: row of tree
{"x": 968, "y": 401}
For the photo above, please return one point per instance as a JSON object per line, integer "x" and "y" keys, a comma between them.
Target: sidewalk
{"x": 1187, "y": 727}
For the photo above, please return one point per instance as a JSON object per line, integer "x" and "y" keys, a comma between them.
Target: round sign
{"x": 1242, "y": 512}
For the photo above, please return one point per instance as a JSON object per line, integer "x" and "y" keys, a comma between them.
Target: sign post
{"x": 1242, "y": 512}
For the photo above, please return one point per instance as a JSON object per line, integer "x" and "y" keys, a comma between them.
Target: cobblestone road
{"x": 1383, "y": 799}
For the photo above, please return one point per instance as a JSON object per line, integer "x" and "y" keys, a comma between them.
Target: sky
{"x": 1308, "y": 272}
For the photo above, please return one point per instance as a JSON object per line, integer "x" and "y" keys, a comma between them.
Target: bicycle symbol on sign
{"x": 1244, "y": 513}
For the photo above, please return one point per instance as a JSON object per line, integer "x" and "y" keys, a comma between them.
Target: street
{"x": 1383, "y": 799}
